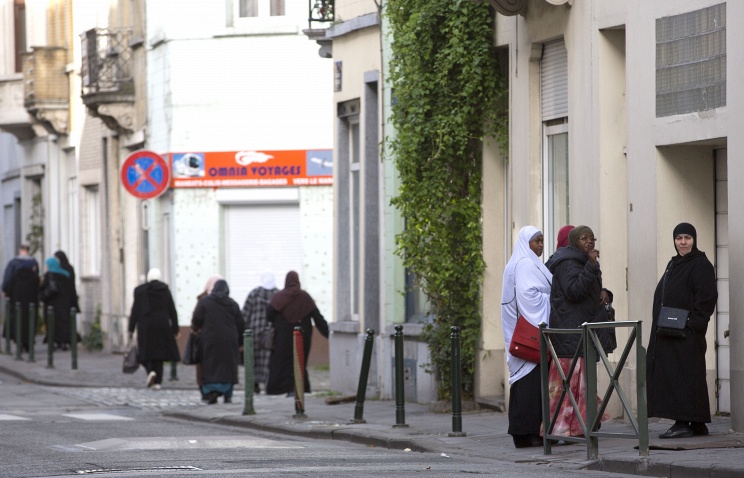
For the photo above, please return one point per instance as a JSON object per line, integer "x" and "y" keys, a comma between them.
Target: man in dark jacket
{"x": 156, "y": 320}
{"x": 21, "y": 286}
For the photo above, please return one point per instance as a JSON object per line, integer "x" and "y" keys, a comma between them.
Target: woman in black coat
{"x": 58, "y": 291}
{"x": 218, "y": 322}
{"x": 576, "y": 296}
{"x": 156, "y": 320}
{"x": 288, "y": 308}
{"x": 675, "y": 366}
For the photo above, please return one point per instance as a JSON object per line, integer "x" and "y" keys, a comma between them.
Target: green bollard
{"x": 50, "y": 336}
{"x": 31, "y": 331}
{"x": 299, "y": 373}
{"x": 363, "y": 376}
{"x": 456, "y": 384}
{"x": 73, "y": 338}
{"x": 400, "y": 399}
{"x": 173, "y": 372}
{"x": 248, "y": 372}
{"x": 18, "y": 332}
{"x": 6, "y": 328}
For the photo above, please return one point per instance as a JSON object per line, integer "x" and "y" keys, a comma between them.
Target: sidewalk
{"x": 721, "y": 454}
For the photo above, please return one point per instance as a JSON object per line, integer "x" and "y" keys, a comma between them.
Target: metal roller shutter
{"x": 554, "y": 81}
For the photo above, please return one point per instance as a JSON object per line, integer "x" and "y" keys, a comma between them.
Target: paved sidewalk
{"x": 721, "y": 454}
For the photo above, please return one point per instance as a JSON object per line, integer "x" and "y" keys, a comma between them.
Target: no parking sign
{"x": 145, "y": 174}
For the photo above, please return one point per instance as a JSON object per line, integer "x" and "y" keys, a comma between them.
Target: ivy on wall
{"x": 448, "y": 96}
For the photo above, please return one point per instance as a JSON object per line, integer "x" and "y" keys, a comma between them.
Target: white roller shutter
{"x": 261, "y": 238}
{"x": 554, "y": 81}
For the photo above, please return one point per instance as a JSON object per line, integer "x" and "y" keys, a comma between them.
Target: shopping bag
{"x": 131, "y": 360}
{"x": 191, "y": 354}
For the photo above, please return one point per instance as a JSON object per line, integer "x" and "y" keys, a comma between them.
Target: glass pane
{"x": 355, "y": 218}
{"x": 558, "y": 213}
{"x": 248, "y": 8}
{"x": 277, "y": 8}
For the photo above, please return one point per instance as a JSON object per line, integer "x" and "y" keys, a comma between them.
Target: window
{"x": 555, "y": 177}
{"x": 355, "y": 213}
{"x": 19, "y": 27}
{"x": 260, "y": 8}
{"x": 91, "y": 248}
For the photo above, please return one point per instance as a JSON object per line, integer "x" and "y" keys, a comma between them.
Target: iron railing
{"x": 321, "y": 11}
{"x": 590, "y": 424}
{"x": 107, "y": 61}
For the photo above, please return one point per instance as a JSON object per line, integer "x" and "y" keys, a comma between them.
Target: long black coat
{"x": 574, "y": 296}
{"x": 675, "y": 368}
{"x": 64, "y": 300}
{"x": 281, "y": 365}
{"x": 220, "y": 325}
{"x": 156, "y": 320}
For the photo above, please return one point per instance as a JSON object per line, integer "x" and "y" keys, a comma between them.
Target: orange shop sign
{"x": 239, "y": 169}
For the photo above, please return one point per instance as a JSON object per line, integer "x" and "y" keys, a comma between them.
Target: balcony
{"x": 14, "y": 118}
{"x": 106, "y": 72}
{"x": 320, "y": 12}
{"x": 46, "y": 92}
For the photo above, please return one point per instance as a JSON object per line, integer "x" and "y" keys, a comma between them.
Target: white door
{"x": 723, "y": 365}
{"x": 261, "y": 238}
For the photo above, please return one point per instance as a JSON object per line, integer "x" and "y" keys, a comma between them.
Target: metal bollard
{"x": 299, "y": 373}
{"x": 50, "y": 336}
{"x": 31, "y": 331}
{"x": 456, "y": 384}
{"x": 18, "y": 332}
{"x": 400, "y": 399}
{"x": 173, "y": 371}
{"x": 248, "y": 372}
{"x": 73, "y": 338}
{"x": 363, "y": 375}
{"x": 6, "y": 328}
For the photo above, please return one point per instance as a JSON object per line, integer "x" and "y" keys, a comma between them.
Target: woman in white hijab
{"x": 526, "y": 292}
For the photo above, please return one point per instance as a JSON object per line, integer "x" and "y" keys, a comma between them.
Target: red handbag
{"x": 525, "y": 342}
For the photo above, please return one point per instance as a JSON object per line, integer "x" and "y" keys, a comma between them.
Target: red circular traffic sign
{"x": 145, "y": 174}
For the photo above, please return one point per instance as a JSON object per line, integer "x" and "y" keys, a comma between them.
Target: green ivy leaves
{"x": 445, "y": 77}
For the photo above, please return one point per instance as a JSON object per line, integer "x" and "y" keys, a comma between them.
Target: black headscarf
{"x": 220, "y": 289}
{"x": 294, "y": 303}
{"x": 685, "y": 228}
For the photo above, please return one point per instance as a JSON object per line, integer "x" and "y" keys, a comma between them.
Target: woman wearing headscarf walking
{"x": 288, "y": 308}
{"x": 156, "y": 320}
{"x": 58, "y": 291}
{"x": 220, "y": 325}
{"x": 675, "y": 365}
{"x": 255, "y": 311}
{"x": 64, "y": 262}
{"x": 525, "y": 292}
{"x": 576, "y": 297}
{"x": 197, "y": 366}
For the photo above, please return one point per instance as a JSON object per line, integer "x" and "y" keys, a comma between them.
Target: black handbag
{"x": 191, "y": 355}
{"x": 606, "y": 336}
{"x": 131, "y": 360}
{"x": 672, "y": 322}
{"x": 49, "y": 290}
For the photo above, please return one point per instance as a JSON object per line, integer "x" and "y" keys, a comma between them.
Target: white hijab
{"x": 526, "y": 288}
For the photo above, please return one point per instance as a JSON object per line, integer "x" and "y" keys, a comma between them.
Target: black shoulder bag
{"x": 671, "y": 321}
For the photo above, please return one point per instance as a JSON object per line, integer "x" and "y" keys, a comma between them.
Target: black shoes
{"x": 699, "y": 429}
{"x": 678, "y": 430}
{"x": 228, "y": 399}
{"x": 526, "y": 441}
{"x": 212, "y": 397}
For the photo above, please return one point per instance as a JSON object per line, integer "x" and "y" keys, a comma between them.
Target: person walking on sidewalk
{"x": 197, "y": 366}
{"x": 155, "y": 319}
{"x": 675, "y": 366}
{"x": 58, "y": 291}
{"x": 526, "y": 292}
{"x": 218, "y": 322}
{"x": 20, "y": 285}
{"x": 255, "y": 311}
{"x": 288, "y": 308}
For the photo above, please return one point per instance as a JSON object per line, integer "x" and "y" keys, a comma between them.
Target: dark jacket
{"x": 281, "y": 365}
{"x": 156, "y": 320}
{"x": 675, "y": 367}
{"x": 61, "y": 302}
{"x": 220, "y": 325}
{"x": 574, "y": 296}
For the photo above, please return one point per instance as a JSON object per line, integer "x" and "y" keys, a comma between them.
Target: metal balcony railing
{"x": 321, "y": 11}
{"x": 107, "y": 61}
{"x": 590, "y": 423}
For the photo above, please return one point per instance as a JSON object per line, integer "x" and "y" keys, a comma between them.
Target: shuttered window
{"x": 554, "y": 81}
